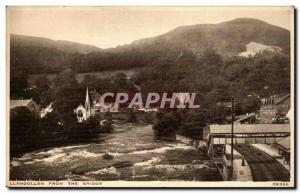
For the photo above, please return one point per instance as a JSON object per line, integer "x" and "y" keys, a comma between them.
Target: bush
{"x": 29, "y": 132}
{"x": 24, "y": 130}
{"x": 187, "y": 123}
{"x": 83, "y": 132}
{"x": 192, "y": 124}
{"x": 167, "y": 123}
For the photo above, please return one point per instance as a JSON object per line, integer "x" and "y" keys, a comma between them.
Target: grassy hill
{"x": 36, "y": 55}
{"x": 227, "y": 38}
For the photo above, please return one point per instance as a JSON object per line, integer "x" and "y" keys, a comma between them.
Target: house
{"x": 109, "y": 107}
{"x": 46, "y": 110}
{"x": 150, "y": 109}
{"x": 28, "y": 103}
{"x": 274, "y": 106}
{"x": 254, "y": 48}
{"x": 96, "y": 107}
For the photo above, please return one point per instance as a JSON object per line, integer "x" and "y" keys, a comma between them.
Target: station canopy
{"x": 250, "y": 129}
{"x": 285, "y": 143}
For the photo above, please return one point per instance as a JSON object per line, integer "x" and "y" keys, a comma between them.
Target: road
{"x": 263, "y": 166}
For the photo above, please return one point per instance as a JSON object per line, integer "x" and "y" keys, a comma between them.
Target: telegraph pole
{"x": 232, "y": 123}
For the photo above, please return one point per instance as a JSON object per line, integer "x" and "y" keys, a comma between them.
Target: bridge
{"x": 219, "y": 135}
{"x": 263, "y": 166}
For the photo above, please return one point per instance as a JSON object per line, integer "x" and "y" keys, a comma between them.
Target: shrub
{"x": 167, "y": 123}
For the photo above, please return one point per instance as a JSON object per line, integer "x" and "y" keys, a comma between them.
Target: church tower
{"x": 87, "y": 105}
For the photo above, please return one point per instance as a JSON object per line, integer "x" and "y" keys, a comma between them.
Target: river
{"x": 134, "y": 154}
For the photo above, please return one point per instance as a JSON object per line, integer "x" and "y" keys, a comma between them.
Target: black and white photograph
{"x": 150, "y": 96}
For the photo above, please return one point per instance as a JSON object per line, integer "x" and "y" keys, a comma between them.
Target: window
{"x": 80, "y": 113}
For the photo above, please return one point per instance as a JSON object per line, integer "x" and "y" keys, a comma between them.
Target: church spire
{"x": 87, "y": 105}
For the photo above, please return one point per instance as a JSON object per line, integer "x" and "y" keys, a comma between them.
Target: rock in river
{"x": 122, "y": 164}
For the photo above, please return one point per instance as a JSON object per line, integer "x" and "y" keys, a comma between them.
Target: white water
{"x": 148, "y": 159}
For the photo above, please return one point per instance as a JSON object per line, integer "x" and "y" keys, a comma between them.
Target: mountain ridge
{"x": 226, "y": 38}
{"x": 243, "y": 30}
{"x": 63, "y": 45}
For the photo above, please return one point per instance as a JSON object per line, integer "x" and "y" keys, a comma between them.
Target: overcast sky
{"x": 111, "y": 26}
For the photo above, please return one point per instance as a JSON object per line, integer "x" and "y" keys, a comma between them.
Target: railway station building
{"x": 218, "y": 136}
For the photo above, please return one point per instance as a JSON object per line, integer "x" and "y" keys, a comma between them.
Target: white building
{"x": 84, "y": 112}
{"x": 46, "y": 110}
{"x": 254, "y": 48}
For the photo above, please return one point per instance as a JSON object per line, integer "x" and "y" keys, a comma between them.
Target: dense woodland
{"x": 214, "y": 78}
{"x": 215, "y": 73}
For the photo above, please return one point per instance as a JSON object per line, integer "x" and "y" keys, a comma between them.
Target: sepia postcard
{"x": 157, "y": 97}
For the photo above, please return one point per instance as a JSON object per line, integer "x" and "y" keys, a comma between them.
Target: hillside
{"x": 34, "y": 55}
{"x": 41, "y": 55}
{"x": 187, "y": 59}
{"x": 45, "y": 43}
{"x": 227, "y": 38}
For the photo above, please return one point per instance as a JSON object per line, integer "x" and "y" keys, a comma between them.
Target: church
{"x": 92, "y": 108}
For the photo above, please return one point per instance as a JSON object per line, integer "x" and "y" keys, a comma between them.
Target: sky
{"x": 107, "y": 27}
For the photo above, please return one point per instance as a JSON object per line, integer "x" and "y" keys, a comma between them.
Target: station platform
{"x": 240, "y": 173}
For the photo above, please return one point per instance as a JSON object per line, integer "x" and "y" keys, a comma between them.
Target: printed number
{"x": 282, "y": 184}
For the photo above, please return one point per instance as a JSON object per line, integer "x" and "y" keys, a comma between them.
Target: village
{"x": 140, "y": 95}
{"x": 261, "y": 141}
{"x": 261, "y": 150}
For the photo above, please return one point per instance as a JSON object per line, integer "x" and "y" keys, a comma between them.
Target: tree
{"x": 211, "y": 61}
{"x": 18, "y": 83}
{"x": 131, "y": 116}
{"x": 24, "y": 130}
{"x": 192, "y": 124}
{"x": 82, "y": 132}
{"x": 89, "y": 81}
{"x": 49, "y": 123}
{"x": 122, "y": 83}
{"x": 66, "y": 95}
{"x": 42, "y": 93}
{"x": 42, "y": 83}
{"x": 167, "y": 123}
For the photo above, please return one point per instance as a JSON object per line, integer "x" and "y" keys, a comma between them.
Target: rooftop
{"x": 285, "y": 143}
{"x": 282, "y": 97}
{"x": 19, "y": 103}
{"x": 250, "y": 128}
